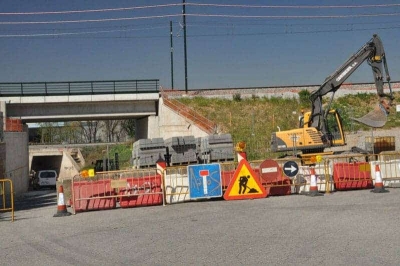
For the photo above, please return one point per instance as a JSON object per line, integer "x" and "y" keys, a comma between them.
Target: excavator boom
{"x": 322, "y": 126}
{"x": 372, "y": 52}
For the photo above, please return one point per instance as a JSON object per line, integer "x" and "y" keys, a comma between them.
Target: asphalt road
{"x": 342, "y": 228}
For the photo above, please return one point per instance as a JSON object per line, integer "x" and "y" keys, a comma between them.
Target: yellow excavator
{"x": 322, "y": 127}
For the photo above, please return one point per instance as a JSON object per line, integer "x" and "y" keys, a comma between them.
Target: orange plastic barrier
{"x": 355, "y": 175}
{"x": 93, "y": 195}
{"x": 226, "y": 177}
{"x": 142, "y": 191}
{"x": 278, "y": 186}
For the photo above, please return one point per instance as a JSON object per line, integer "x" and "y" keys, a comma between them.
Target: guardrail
{"x": 79, "y": 87}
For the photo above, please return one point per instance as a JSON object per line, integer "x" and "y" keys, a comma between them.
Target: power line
{"x": 104, "y": 27}
{"x": 74, "y": 33}
{"x": 295, "y": 16}
{"x": 295, "y": 6}
{"x": 199, "y": 15}
{"x": 86, "y": 11}
{"x": 206, "y": 24}
{"x": 85, "y": 20}
{"x": 190, "y": 35}
{"x": 195, "y": 4}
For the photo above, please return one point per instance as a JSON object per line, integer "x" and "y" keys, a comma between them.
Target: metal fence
{"x": 79, "y": 87}
{"x": 7, "y": 197}
{"x": 109, "y": 190}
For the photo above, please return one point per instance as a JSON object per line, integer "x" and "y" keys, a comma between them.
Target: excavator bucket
{"x": 377, "y": 117}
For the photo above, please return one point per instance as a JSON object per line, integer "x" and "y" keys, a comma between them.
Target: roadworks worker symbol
{"x": 244, "y": 185}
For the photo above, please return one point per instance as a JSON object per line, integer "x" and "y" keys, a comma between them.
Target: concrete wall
{"x": 69, "y": 168}
{"x": 166, "y": 125}
{"x": 17, "y": 160}
{"x": 284, "y": 92}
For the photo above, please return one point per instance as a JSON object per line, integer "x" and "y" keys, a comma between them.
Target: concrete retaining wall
{"x": 166, "y": 125}
{"x": 17, "y": 160}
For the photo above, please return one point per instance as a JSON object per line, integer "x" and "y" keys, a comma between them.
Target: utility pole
{"x": 172, "y": 56}
{"x": 184, "y": 44}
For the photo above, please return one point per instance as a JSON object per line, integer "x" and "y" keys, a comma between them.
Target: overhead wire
{"x": 180, "y": 15}
{"x": 294, "y": 6}
{"x": 197, "y": 4}
{"x": 200, "y": 15}
{"x": 87, "y": 10}
{"x": 76, "y": 33}
{"x": 284, "y": 32}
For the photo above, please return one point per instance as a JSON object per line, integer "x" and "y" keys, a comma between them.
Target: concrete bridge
{"x": 94, "y": 100}
{"x": 155, "y": 116}
{"x": 78, "y": 101}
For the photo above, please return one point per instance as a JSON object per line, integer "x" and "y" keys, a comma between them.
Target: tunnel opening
{"x": 46, "y": 162}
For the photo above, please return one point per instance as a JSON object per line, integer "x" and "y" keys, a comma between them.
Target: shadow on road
{"x": 36, "y": 199}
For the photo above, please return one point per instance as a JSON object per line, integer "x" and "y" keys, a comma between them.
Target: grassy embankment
{"x": 254, "y": 119}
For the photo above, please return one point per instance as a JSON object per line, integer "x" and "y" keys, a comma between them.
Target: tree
{"x": 90, "y": 130}
{"x": 111, "y": 127}
{"x": 129, "y": 126}
{"x": 72, "y": 132}
{"x": 48, "y": 132}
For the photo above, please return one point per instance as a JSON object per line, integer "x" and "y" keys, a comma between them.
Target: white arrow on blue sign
{"x": 290, "y": 168}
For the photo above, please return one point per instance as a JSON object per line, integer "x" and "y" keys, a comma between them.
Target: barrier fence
{"x": 145, "y": 187}
{"x": 7, "y": 196}
{"x": 106, "y": 190}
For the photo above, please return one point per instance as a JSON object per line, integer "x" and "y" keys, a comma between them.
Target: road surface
{"x": 342, "y": 228}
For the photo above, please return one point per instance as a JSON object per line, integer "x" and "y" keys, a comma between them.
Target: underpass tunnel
{"x": 46, "y": 162}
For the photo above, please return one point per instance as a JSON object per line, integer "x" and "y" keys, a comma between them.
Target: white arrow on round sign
{"x": 290, "y": 168}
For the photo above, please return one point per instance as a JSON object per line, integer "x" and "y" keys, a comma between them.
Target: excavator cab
{"x": 310, "y": 139}
{"x": 334, "y": 127}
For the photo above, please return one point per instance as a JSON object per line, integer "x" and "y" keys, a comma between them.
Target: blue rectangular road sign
{"x": 204, "y": 181}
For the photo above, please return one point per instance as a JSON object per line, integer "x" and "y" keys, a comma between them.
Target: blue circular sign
{"x": 290, "y": 168}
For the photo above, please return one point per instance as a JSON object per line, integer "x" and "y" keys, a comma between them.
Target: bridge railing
{"x": 79, "y": 87}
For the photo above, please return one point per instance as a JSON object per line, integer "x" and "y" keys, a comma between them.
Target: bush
{"x": 304, "y": 96}
{"x": 237, "y": 97}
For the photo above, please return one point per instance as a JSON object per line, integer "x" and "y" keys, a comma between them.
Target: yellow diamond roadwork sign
{"x": 244, "y": 184}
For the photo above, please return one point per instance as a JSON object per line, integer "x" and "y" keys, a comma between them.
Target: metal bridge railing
{"x": 79, "y": 87}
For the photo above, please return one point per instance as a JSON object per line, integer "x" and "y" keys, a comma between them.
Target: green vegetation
{"x": 93, "y": 153}
{"x": 253, "y": 119}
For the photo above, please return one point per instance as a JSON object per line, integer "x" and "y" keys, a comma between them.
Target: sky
{"x": 252, "y": 44}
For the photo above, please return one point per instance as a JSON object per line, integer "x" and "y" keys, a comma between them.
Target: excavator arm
{"x": 322, "y": 126}
{"x": 372, "y": 52}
